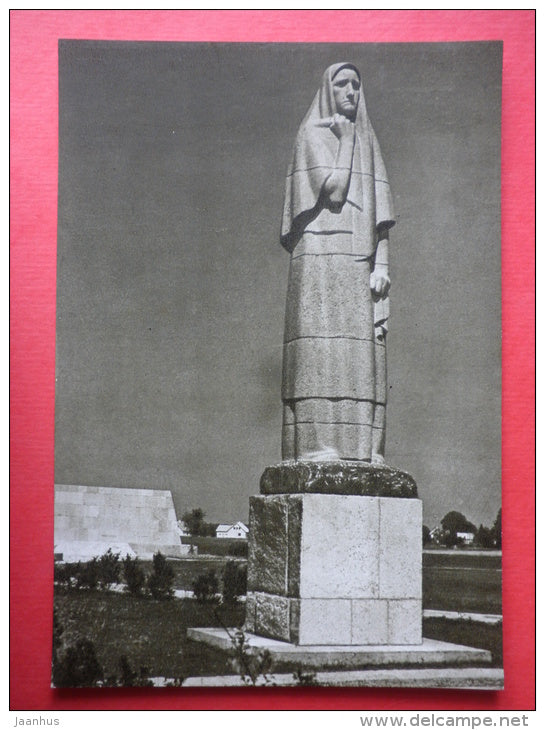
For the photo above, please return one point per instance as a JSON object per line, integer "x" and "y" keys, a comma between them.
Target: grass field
{"x": 152, "y": 634}
{"x": 462, "y": 581}
{"x": 187, "y": 569}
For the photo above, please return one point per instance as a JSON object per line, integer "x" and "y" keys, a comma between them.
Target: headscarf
{"x": 313, "y": 161}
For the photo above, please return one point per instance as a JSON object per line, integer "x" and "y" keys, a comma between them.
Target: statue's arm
{"x": 380, "y": 276}
{"x": 335, "y": 188}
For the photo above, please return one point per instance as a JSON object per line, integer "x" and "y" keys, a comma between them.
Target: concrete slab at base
{"x": 345, "y": 657}
{"x": 438, "y": 677}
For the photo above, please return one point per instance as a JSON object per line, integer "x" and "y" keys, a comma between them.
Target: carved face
{"x": 346, "y": 92}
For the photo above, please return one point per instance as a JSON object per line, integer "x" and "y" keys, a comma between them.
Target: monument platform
{"x": 430, "y": 652}
{"x": 481, "y": 678}
{"x": 335, "y": 555}
{"x": 335, "y": 580}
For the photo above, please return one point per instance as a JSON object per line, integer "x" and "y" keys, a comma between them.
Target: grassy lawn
{"x": 151, "y": 633}
{"x": 461, "y": 581}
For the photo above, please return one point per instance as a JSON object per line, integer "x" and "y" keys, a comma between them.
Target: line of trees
{"x": 454, "y": 523}
{"x": 195, "y": 523}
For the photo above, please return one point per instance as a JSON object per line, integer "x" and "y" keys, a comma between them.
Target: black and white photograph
{"x": 278, "y": 365}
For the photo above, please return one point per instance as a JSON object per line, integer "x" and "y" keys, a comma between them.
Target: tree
{"x": 426, "y": 535}
{"x": 194, "y": 521}
{"x": 205, "y": 586}
{"x": 484, "y": 537}
{"x": 457, "y": 522}
{"x": 496, "y": 529}
{"x": 161, "y": 579}
{"x": 109, "y": 568}
{"x": 134, "y": 575}
{"x": 453, "y": 523}
{"x": 79, "y": 667}
{"x": 234, "y": 581}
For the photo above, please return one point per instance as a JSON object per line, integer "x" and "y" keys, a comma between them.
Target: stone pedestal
{"x": 335, "y": 556}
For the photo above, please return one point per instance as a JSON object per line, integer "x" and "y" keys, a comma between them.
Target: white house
{"x": 466, "y": 537}
{"x": 239, "y": 529}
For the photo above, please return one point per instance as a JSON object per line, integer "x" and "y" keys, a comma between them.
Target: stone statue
{"x": 337, "y": 213}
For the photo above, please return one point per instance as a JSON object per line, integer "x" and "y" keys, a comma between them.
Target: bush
{"x": 252, "y": 668}
{"x": 87, "y": 574}
{"x": 239, "y": 550}
{"x": 205, "y": 586}
{"x": 109, "y": 568}
{"x": 63, "y": 573}
{"x": 79, "y": 667}
{"x": 234, "y": 581}
{"x": 161, "y": 579}
{"x": 134, "y": 575}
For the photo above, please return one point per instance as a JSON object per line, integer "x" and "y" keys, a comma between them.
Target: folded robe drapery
{"x": 330, "y": 344}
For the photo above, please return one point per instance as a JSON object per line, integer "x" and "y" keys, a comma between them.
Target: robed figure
{"x": 337, "y": 213}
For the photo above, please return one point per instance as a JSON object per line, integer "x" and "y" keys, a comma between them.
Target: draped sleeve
{"x": 384, "y": 208}
{"x": 312, "y": 163}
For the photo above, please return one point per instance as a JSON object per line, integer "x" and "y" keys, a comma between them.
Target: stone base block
{"x": 308, "y": 621}
{"x": 335, "y": 569}
{"x": 429, "y": 652}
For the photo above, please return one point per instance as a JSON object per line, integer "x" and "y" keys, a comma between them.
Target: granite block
{"x": 405, "y": 622}
{"x": 295, "y": 529}
{"x": 339, "y": 547}
{"x": 272, "y": 616}
{"x": 268, "y": 546}
{"x": 337, "y": 477}
{"x": 324, "y": 621}
{"x": 251, "y": 603}
{"x": 369, "y": 622}
{"x": 400, "y": 548}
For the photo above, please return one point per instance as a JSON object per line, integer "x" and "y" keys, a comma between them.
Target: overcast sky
{"x": 172, "y": 281}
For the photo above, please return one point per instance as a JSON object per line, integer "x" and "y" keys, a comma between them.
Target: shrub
{"x": 252, "y": 668}
{"x": 87, "y": 574}
{"x": 234, "y": 581}
{"x": 205, "y": 586}
{"x": 79, "y": 667}
{"x": 134, "y": 575}
{"x": 109, "y": 568}
{"x": 239, "y": 550}
{"x": 63, "y": 573}
{"x": 161, "y": 579}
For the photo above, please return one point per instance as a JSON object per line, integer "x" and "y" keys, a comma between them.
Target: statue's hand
{"x": 342, "y": 127}
{"x": 380, "y": 282}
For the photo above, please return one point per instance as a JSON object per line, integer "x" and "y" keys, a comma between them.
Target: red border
{"x": 34, "y": 36}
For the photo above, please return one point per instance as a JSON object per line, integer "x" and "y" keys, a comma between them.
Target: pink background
{"x": 34, "y": 118}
